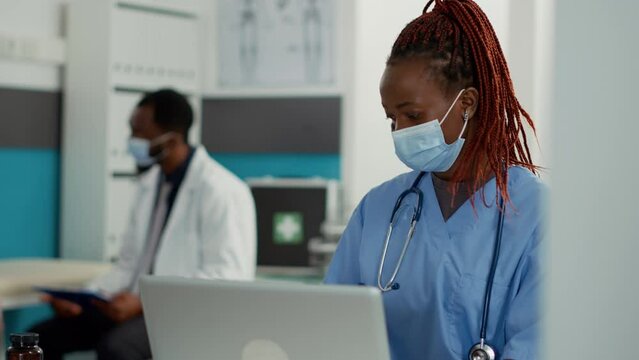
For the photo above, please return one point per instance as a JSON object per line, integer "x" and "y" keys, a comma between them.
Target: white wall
{"x": 528, "y": 52}
{"x": 367, "y": 148}
{"x": 542, "y": 75}
{"x": 368, "y": 156}
{"x": 593, "y": 290}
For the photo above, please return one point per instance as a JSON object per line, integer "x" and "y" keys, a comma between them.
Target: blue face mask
{"x": 423, "y": 147}
{"x": 140, "y": 150}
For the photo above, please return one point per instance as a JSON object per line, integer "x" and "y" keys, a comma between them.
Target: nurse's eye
{"x": 413, "y": 116}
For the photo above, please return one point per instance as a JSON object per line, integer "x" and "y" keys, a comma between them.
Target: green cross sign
{"x": 288, "y": 228}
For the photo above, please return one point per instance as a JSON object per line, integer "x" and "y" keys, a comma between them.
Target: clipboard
{"x": 81, "y": 297}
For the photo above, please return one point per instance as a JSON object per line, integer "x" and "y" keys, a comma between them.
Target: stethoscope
{"x": 481, "y": 350}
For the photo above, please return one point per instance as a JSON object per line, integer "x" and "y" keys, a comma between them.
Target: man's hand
{"x": 121, "y": 308}
{"x": 63, "y": 308}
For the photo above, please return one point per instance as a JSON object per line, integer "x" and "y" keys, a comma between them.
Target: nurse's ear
{"x": 469, "y": 101}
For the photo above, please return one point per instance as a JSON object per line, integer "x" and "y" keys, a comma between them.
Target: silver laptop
{"x": 226, "y": 320}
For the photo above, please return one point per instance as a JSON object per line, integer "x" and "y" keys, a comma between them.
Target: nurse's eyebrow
{"x": 404, "y": 104}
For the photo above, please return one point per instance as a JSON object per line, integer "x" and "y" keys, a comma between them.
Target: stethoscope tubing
{"x": 414, "y": 189}
{"x": 493, "y": 269}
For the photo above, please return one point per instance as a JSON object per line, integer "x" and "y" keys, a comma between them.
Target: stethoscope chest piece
{"x": 481, "y": 352}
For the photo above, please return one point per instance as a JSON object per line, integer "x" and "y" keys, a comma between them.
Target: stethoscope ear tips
{"x": 395, "y": 286}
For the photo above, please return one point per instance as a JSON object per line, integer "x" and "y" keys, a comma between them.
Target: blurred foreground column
{"x": 593, "y": 292}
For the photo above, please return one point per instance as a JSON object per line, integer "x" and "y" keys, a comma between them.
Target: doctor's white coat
{"x": 210, "y": 232}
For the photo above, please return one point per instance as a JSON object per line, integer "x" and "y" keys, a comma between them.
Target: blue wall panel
{"x": 29, "y": 188}
{"x": 281, "y": 165}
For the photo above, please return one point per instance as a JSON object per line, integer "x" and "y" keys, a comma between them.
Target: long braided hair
{"x": 462, "y": 50}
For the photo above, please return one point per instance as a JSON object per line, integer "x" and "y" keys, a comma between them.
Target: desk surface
{"x": 307, "y": 275}
{"x": 19, "y": 276}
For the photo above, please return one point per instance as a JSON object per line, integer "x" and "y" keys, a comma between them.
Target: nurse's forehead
{"x": 406, "y": 74}
{"x": 406, "y": 84}
{"x": 413, "y": 68}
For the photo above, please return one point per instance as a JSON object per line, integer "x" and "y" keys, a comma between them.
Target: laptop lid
{"x": 227, "y": 320}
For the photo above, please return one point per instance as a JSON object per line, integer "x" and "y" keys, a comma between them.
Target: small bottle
{"x": 24, "y": 347}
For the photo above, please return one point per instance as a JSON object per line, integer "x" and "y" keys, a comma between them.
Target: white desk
{"x": 19, "y": 276}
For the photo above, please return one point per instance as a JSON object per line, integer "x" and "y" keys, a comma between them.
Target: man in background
{"x": 191, "y": 217}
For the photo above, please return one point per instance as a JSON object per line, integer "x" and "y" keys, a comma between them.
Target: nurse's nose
{"x": 401, "y": 123}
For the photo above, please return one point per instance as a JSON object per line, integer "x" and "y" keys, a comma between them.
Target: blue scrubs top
{"x": 436, "y": 312}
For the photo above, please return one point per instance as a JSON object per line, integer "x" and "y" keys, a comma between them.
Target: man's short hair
{"x": 172, "y": 111}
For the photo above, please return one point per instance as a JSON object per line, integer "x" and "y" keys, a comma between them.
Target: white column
{"x": 593, "y": 289}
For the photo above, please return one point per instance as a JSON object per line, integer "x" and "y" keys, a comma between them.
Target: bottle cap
{"x": 26, "y": 339}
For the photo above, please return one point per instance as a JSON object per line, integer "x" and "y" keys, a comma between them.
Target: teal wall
{"x": 281, "y": 165}
{"x": 29, "y": 203}
{"x": 28, "y": 216}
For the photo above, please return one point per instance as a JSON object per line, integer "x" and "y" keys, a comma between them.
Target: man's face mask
{"x": 140, "y": 149}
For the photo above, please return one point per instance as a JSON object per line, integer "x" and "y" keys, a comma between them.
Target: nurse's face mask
{"x": 423, "y": 147}
{"x": 141, "y": 148}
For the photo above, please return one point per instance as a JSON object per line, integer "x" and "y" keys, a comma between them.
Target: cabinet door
{"x": 120, "y": 196}
{"x": 152, "y": 50}
{"x": 120, "y": 108}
